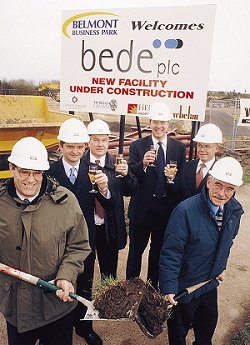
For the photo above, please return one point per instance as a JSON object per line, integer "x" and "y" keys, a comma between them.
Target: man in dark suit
{"x": 110, "y": 234}
{"x": 194, "y": 173}
{"x": 72, "y": 173}
{"x": 150, "y": 208}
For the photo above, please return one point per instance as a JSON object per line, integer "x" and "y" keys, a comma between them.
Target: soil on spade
{"x": 135, "y": 300}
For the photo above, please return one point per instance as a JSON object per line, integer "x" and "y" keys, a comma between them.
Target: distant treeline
{"x": 29, "y": 87}
{"x": 21, "y": 87}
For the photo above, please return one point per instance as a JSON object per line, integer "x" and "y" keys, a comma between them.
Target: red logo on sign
{"x": 132, "y": 108}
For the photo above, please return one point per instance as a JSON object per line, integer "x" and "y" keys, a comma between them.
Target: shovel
{"x": 145, "y": 321}
{"x": 91, "y": 314}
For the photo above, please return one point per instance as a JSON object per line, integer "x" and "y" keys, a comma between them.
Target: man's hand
{"x": 101, "y": 180}
{"x": 221, "y": 276}
{"x": 170, "y": 298}
{"x": 149, "y": 158}
{"x": 168, "y": 172}
{"x": 66, "y": 288}
{"x": 122, "y": 168}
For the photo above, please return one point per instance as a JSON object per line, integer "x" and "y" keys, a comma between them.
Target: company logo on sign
{"x": 139, "y": 109}
{"x": 76, "y": 26}
{"x": 132, "y": 108}
{"x": 113, "y": 104}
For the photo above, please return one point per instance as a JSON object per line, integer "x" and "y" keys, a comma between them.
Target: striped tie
{"x": 219, "y": 218}
{"x": 72, "y": 176}
{"x": 199, "y": 175}
{"x": 98, "y": 207}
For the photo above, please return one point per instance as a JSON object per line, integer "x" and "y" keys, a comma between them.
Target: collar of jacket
{"x": 229, "y": 207}
{"x": 109, "y": 160}
{"x": 49, "y": 187}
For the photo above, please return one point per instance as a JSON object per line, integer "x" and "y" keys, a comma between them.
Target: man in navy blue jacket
{"x": 196, "y": 248}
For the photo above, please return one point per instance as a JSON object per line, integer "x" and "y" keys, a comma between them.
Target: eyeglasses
{"x": 205, "y": 147}
{"x": 23, "y": 173}
{"x": 227, "y": 190}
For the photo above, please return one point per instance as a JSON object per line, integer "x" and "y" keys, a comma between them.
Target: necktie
{"x": 219, "y": 218}
{"x": 98, "y": 207}
{"x": 199, "y": 175}
{"x": 72, "y": 176}
{"x": 160, "y": 189}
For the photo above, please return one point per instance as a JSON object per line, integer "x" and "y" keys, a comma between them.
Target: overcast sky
{"x": 30, "y": 36}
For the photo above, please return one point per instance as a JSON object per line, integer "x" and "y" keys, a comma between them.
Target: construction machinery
{"x": 52, "y": 90}
{"x": 22, "y": 116}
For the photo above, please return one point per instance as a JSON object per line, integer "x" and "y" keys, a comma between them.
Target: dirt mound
{"x": 135, "y": 300}
{"x": 116, "y": 301}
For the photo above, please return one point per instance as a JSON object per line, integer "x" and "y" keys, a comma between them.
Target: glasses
{"x": 23, "y": 173}
{"x": 227, "y": 190}
{"x": 205, "y": 147}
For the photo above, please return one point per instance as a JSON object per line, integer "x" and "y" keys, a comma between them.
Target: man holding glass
{"x": 110, "y": 234}
{"x": 150, "y": 208}
{"x": 72, "y": 172}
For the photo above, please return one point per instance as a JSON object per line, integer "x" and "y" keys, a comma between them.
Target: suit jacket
{"x": 81, "y": 190}
{"x": 140, "y": 203}
{"x": 115, "y": 226}
{"x": 188, "y": 180}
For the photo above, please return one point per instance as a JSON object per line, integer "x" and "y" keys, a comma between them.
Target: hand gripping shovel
{"x": 91, "y": 314}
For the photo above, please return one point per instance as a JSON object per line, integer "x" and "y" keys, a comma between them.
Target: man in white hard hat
{"x": 43, "y": 232}
{"x": 111, "y": 234}
{"x": 150, "y": 208}
{"x": 196, "y": 248}
{"x": 71, "y": 172}
{"x": 195, "y": 172}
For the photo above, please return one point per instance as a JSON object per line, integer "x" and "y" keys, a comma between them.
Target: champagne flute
{"x": 92, "y": 172}
{"x": 173, "y": 171}
{"x": 153, "y": 149}
{"x": 119, "y": 160}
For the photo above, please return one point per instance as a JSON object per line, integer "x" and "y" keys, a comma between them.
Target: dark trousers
{"x": 84, "y": 289}
{"x": 154, "y": 226}
{"x": 56, "y": 333}
{"x": 202, "y": 313}
{"x": 107, "y": 254}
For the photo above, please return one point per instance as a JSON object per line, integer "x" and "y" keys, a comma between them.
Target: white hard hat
{"x": 98, "y": 127}
{"x": 73, "y": 131}
{"x": 159, "y": 111}
{"x": 228, "y": 169}
{"x": 29, "y": 153}
{"x": 209, "y": 134}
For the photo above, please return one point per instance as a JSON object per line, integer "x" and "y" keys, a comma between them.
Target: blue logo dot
{"x": 157, "y": 43}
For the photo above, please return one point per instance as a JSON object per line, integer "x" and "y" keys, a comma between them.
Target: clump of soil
{"x": 153, "y": 312}
{"x": 135, "y": 300}
{"x": 117, "y": 300}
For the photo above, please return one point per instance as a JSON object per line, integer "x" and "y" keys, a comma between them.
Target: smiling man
{"x": 150, "y": 208}
{"x": 196, "y": 248}
{"x": 43, "y": 232}
{"x": 194, "y": 173}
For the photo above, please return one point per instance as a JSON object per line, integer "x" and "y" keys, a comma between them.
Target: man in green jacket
{"x": 42, "y": 232}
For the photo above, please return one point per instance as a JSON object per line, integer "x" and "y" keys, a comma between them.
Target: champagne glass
{"x": 119, "y": 160}
{"x": 153, "y": 149}
{"x": 92, "y": 172}
{"x": 173, "y": 171}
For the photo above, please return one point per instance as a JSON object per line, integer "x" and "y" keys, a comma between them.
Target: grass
{"x": 242, "y": 337}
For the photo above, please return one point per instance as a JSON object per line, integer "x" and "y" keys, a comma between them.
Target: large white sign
{"x": 244, "y": 119}
{"x": 121, "y": 61}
